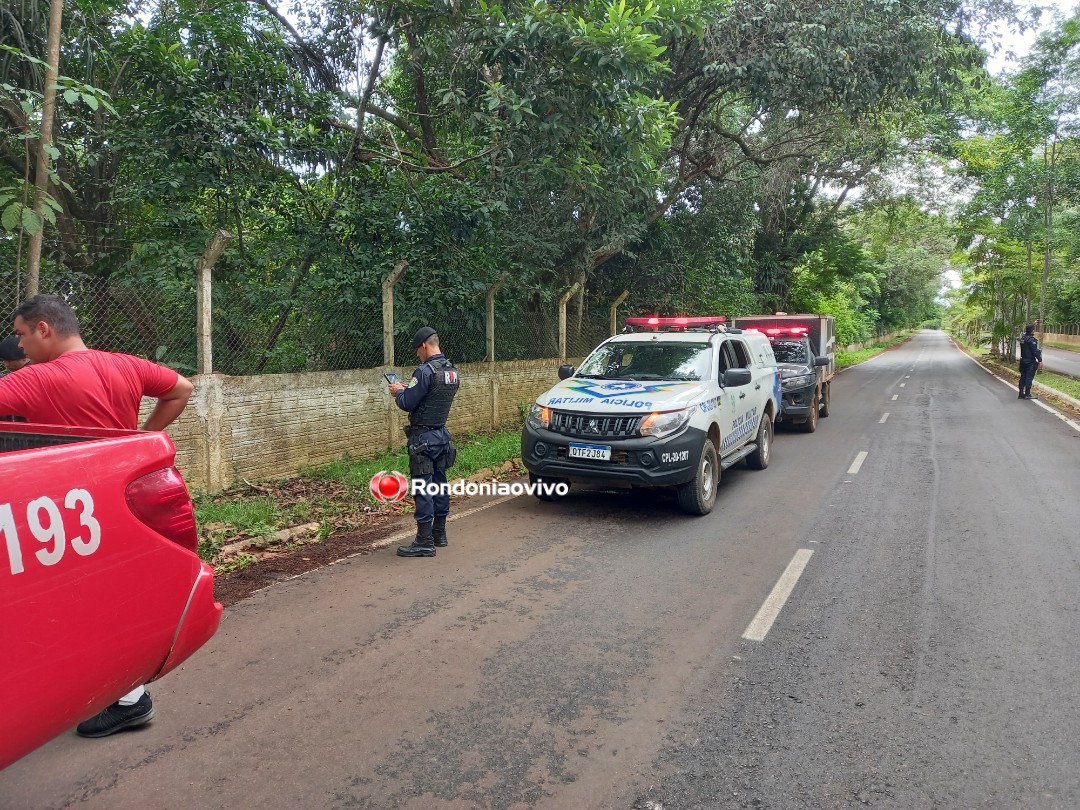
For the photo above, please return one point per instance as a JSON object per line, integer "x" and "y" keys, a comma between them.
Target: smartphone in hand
{"x": 391, "y": 377}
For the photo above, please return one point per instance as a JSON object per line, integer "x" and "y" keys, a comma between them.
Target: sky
{"x": 1020, "y": 43}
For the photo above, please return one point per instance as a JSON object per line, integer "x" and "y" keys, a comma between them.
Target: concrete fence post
{"x": 490, "y": 316}
{"x": 388, "y": 311}
{"x": 388, "y": 285}
{"x": 562, "y": 318}
{"x": 493, "y": 375}
{"x": 204, "y": 305}
{"x": 614, "y": 308}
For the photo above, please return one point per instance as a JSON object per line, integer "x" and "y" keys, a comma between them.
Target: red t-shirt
{"x": 85, "y": 389}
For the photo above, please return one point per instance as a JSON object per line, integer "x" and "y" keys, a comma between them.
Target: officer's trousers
{"x": 429, "y": 506}
{"x": 1027, "y": 373}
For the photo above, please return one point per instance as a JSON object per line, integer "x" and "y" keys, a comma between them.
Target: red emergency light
{"x": 775, "y": 331}
{"x": 708, "y": 320}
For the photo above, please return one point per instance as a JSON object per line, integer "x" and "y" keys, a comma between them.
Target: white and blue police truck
{"x": 671, "y": 404}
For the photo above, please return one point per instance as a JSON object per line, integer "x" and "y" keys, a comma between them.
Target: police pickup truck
{"x": 669, "y": 406}
{"x": 805, "y": 349}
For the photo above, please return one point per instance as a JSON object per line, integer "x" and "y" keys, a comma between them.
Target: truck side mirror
{"x": 734, "y": 377}
{"x": 821, "y": 361}
{"x": 566, "y": 371}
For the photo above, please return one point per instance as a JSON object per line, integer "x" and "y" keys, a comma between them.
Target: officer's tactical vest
{"x": 1028, "y": 344}
{"x": 435, "y": 407}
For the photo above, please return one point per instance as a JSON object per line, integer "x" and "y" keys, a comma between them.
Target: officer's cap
{"x": 9, "y": 349}
{"x": 422, "y": 334}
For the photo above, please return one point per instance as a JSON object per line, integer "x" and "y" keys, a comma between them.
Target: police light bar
{"x": 777, "y": 331}
{"x": 708, "y": 320}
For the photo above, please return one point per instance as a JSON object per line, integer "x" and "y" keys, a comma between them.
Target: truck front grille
{"x": 594, "y": 426}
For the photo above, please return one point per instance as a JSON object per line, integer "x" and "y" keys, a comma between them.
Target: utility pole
{"x": 48, "y": 112}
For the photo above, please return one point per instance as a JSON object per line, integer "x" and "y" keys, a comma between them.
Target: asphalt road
{"x": 590, "y": 653}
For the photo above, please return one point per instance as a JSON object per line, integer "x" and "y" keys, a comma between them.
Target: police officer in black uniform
{"x": 1030, "y": 360}
{"x": 428, "y": 398}
{"x": 12, "y": 356}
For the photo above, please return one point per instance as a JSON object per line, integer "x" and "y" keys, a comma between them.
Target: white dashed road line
{"x": 856, "y": 465}
{"x": 895, "y": 397}
{"x": 774, "y": 602}
{"x": 884, "y": 416}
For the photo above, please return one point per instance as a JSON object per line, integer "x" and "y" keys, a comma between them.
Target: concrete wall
{"x": 1053, "y": 337}
{"x": 270, "y": 426}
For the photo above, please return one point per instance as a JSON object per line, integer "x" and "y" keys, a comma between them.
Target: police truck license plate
{"x": 599, "y": 452}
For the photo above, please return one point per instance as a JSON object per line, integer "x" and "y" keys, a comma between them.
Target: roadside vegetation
{"x": 701, "y": 154}
{"x": 845, "y": 359}
{"x": 239, "y": 523}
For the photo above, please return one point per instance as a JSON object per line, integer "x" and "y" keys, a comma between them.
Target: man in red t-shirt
{"x": 69, "y": 384}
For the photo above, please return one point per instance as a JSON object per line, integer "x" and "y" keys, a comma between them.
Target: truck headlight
{"x": 799, "y": 381}
{"x": 539, "y": 416}
{"x": 662, "y": 424}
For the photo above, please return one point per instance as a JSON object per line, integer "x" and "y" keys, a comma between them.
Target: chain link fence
{"x": 259, "y": 329}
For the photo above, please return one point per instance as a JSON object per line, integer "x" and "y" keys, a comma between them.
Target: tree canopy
{"x": 707, "y": 155}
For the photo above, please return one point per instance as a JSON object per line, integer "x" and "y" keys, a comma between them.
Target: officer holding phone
{"x": 428, "y": 398}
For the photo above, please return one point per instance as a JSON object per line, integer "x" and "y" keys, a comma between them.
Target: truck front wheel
{"x": 759, "y": 459}
{"x": 826, "y": 397}
{"x": 697, "y": 496}
{"x": 810, "y": 425}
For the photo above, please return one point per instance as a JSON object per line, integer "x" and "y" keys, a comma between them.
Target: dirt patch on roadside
{"x": 342, "y": 527}
{"x": 273, "y": 566}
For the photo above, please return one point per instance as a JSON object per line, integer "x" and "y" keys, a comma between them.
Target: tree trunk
{"x": 1049, "y": 156}
{"x": 41, "y": 179}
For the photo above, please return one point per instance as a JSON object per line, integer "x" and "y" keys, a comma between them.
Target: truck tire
{"x": 697, "y": 496}
{"x": 810, "y": 425}
{"x": 547, "y": 496}
{"x": 759, "y": 459}
{"x": 826, "y": 398}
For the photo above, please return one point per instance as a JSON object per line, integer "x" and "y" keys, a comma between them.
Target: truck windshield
{"x": 790, "y": 351}
{"x": 649, "y": 361}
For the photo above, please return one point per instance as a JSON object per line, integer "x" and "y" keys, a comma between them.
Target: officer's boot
{"x": 422, "y": 546}
{"x": 438, "y": 531}
{"x": 1021, "y": 393}
{"x": 1028, "y": 394}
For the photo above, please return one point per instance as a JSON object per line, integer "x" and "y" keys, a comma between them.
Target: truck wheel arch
{"x": 714, "y": 435}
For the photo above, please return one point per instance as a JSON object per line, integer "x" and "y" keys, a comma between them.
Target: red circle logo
{"x": 389, "y": 487}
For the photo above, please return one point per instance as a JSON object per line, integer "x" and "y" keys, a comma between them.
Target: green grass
{"x": 1067, "y": 385}
{"x": 1053, "y": 344}
{"x": 248, "y": 512}
{"x": 476, "y": 452}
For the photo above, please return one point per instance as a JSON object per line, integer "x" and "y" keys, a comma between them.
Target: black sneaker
{"x": 116, "y": 717}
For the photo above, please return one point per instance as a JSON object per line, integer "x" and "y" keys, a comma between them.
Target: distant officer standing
{"x": 11, "y": 355}
{"x": 1030, "y": 360}
{"x": 428, "y": 398}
